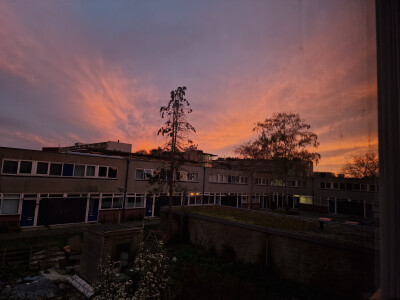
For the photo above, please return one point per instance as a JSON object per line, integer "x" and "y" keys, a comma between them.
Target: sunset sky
{"x": 92, "y": 71}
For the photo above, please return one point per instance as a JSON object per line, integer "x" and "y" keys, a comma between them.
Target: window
{"x": 10, "y": 166}
{"x": 68, "y": 170}
{"x": 356, "y": 186}
{"x": 102, "y": 171}
{"x": 220, "y": 178}
{"x": 25, "y": 167}
{"x": 349, "y": 186}
{"x": 139, "y": 200}
{"x": 277, "y": 182}
{"x": 79, "y": 170}
{"x": 183, "y": 176}
{"x": 130, "y": 201}
{"x": 90, "y": 171}
{"x": 336, "y": 185}
{"x": 148, "y": 173}
{"x": 144, "y": 174}
{"x": 9, "y": 204}
{"x": 372, "y": 187}
{"x": 306, "y": 199}
{"x": 106, "y": 201}
{"x": 139, "y": 174}
{"x": 55, "y": 169}
{"x": 192, "y": 176}
{"x": 112, "y": 172}
{"x": 322, "y": 185}
{"x": 243, "y": 179}
{"x": 342, "y": 186}
{"x": 117, "y": 201}
{"x": 42, "y": 168}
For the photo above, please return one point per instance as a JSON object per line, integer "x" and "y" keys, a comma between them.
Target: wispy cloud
{"x": 72, "y": 73}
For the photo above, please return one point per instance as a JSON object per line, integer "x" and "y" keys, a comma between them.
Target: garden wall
{"x": 335, "y": 267}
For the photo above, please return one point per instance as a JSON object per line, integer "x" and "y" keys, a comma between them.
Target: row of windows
{"x": 145, "y": 174}
{"x": 260, "y": 181}
{"x": 348, "y": 186}
{"x": 41, "y": 168}
{"x": 221, "y": 178}
{"x": 116, "y": 201}
{"x": 9, "y": 203}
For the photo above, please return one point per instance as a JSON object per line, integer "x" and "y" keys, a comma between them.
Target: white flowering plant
{"x": 152, "y": 263}
{"x": 107, "y": 286}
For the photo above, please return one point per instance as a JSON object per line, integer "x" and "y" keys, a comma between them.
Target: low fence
{"x": 341, "y": 269}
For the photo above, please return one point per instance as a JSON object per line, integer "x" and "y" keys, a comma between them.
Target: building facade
{"x": 42, "y": 188}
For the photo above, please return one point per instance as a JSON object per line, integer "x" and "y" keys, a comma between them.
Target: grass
{"x": 356, "y": 235}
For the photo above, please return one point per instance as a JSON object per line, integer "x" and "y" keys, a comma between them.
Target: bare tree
{"x": 362, "y": 166}
{"x": 176, "y": 130}
{"x": 284, "y": 138}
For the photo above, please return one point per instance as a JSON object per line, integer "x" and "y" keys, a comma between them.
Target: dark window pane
{"x": 117, "y": 202}
{"x": 25, "y": 167}
{"x": 68, "y": 169}
{"x": 139, "y": 174}
{"x": 112, "y": 172}
{"x": 90, "y": 170}
{"x": 102, "y": 171}
{"x": 42, "y": 168}
{"x": 55, "y": 169}
{"x": 10, "y": 167}
{"x": 106, "y": 202}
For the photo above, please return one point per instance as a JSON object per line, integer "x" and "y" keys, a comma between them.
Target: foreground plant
{"x": 153, "y": 263}
{"x": 106, "y": 286}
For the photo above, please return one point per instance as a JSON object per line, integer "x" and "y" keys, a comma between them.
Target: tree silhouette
{"x": 284, "y": 138}
{"x": 176, "y": 130}
{"x": 362, "y": 166}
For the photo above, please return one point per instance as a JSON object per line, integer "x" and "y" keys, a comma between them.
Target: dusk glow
{"x": 92, "y": 71}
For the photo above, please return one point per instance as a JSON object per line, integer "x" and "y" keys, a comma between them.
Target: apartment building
{"x": 41, "y": 188}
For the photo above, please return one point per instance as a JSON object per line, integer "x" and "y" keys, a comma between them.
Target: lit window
{"x": 306, "y": 199}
